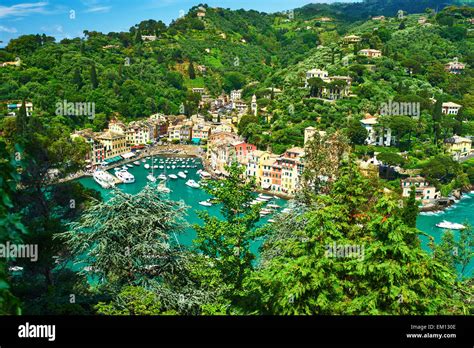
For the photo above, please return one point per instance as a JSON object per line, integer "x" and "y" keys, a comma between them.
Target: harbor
{"x": 188, "y": 189}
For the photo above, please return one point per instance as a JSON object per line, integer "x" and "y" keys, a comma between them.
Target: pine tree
{"x": 129, "y": 239}
{"x": 94, "y": 80}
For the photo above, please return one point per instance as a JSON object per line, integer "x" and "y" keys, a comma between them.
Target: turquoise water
{"x": 179, "y": 191}
{"x": 462, "y": 212}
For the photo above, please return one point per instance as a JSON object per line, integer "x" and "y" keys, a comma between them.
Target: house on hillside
{"x": 370, "y": 53}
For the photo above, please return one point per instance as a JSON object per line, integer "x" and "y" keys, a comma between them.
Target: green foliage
{"x": 226, "y": 243}
{"x": 392, "y": 276}
{"x": 410, "y": 211}
{"x": 357, "y": 133}
{"x": 140, "y": 227}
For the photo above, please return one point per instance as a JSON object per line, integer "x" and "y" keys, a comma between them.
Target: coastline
{"x": 179, "y": 151}
{"x": 435, "y": 209}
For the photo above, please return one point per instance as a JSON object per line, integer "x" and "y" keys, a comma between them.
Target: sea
{"x": 179, "y": 191}
{"x": 461, "y": 212}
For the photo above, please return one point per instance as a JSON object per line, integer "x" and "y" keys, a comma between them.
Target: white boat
{"x": 186, "y": 172}
{"x": 136, "y": 163}
{"x": 182, "y": 175}
{"x": 450, "y": 225}
{"x": 104, "y": 179}
{"x": 172, "y": 176}
{"x": 206, "y": 203}
{"x": 161, "y": 167}
{"x": 193, "y": 184}
{"x": 147, "y": 166}
{"x": 151, "y": 178}
{"x": 125, "y": 177}
{"x": 144, "y": 160}
{"x": 266, "y": 198}
{"x": 162, "y": 187}
{"x": 273, "y": 206}
{"x": 205, "y": 175}
{"x": 124, "y": 168}
{"x": 15, "y": 269}
{"x": 155, "y": 167}
{"x": 129, "y": 166}
{"x": 162, "y": 177}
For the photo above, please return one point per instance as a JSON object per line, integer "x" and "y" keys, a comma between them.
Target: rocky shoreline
{"x": 444, "y": 203}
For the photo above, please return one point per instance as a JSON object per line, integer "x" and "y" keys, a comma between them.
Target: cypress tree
{"x": 191, "y": 71}
{"x": 94, "y": 81}
{"x": 77, "y": 79}
{"x": 22, "y": 119}
{"x": 411, "y": 209}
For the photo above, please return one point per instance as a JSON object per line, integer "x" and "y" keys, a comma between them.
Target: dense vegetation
{"x": 129, "y": 78}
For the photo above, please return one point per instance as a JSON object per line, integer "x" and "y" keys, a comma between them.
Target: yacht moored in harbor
{"x": 193, "y": 184}
{"x": 125, "y": 177}
{"x": 104, "y": 179}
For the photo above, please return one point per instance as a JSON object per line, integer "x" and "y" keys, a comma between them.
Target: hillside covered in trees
{"x": 130, "y": 77}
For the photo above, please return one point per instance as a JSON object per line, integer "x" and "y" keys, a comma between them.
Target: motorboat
{"x": 205, "y": 175}
{"x": 162, "y": 187}
{"x": 193, "y": 184}
{"x": 136, "y": 163}
{"x": 125, "y": 177}
{"x": 129, "y": 166}
{"x": 450, "y": 225}
{"x": 147, "y": 166}
{"x": 144, "y": 160}
{"x": 182, "y": 175}
{"x": 186, "y": 172}
{"x": 205, "y": 203}
{"x": 172, "y": 176}
{"x": 273, "y": 206}
{"x": 155, "y": 167}
{"x": 104, "y": 179}
{"x": 266, "y": 198}
{"x": 162, "y": 177}
{"x": 151, "y": 178}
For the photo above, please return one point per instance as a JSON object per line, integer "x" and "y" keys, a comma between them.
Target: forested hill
{"x": 367, "y": 8}
{"x": 131, "y": 77}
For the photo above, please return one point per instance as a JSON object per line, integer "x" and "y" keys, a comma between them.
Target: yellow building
{"x": 458, "y": 146}
{"x": 115, "y": 144}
